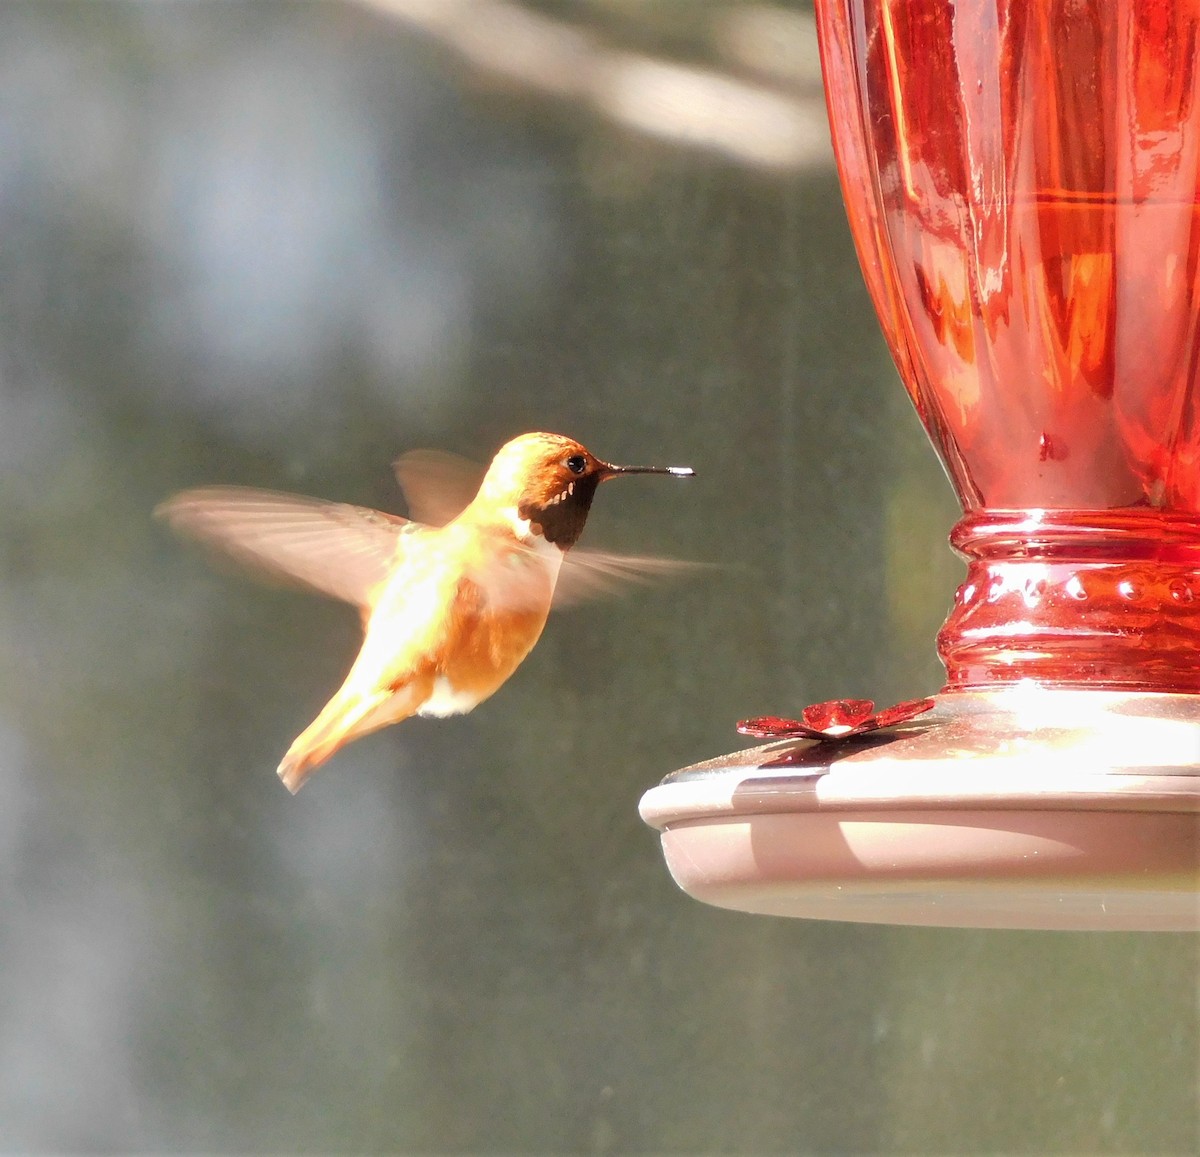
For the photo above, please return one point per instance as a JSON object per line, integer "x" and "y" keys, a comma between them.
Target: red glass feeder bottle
{"x": 1022, "y": 179}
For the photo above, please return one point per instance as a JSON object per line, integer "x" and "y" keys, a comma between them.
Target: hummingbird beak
{"x": 607, "y": 471}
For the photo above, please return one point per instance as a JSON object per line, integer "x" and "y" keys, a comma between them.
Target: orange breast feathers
{"x": 456, "y": 621}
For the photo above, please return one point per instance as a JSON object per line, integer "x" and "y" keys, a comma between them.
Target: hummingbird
{"x": 453, "y": 599}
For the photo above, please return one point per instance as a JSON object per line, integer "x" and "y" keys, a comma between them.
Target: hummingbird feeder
{"x": 1022, "y": 179}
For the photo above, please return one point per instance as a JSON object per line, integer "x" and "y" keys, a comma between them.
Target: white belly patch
{"x": 444, "y": 700}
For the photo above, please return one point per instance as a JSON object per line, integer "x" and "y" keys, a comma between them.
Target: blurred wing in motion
{"x": 331, "y": 547}
{"x": 437, "y": 486}
{"x": 593, "y": 574}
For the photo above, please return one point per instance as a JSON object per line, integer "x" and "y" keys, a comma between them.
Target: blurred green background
{"x": 280, "y": 243}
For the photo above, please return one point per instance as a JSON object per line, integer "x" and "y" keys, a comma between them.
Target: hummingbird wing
{"x": 437, "y": 486}
{"x": 593, "y": 574}
{"x": 333, "y": 548}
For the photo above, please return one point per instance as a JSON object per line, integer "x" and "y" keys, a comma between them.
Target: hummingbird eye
{"x": 577, "y": 463}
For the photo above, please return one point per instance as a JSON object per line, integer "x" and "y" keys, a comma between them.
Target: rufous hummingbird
{"x": 450, "y": 604}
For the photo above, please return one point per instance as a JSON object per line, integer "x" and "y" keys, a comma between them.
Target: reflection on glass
{"x": 1028, "y": 172}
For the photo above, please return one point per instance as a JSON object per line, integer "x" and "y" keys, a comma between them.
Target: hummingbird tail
{"x": 344, "y": 718}
{"x": 298, "y": 765}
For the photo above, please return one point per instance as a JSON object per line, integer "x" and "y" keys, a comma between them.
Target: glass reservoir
{"x": 1022, "y": 183}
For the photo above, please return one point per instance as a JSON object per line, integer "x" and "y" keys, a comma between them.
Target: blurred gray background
{"x": 279, "y": 244}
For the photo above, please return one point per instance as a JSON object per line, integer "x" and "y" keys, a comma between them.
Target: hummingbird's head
{"x": 551, "y": 481}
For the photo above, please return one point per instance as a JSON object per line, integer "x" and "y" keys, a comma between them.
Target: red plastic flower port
{"x": 835, "y": 719}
